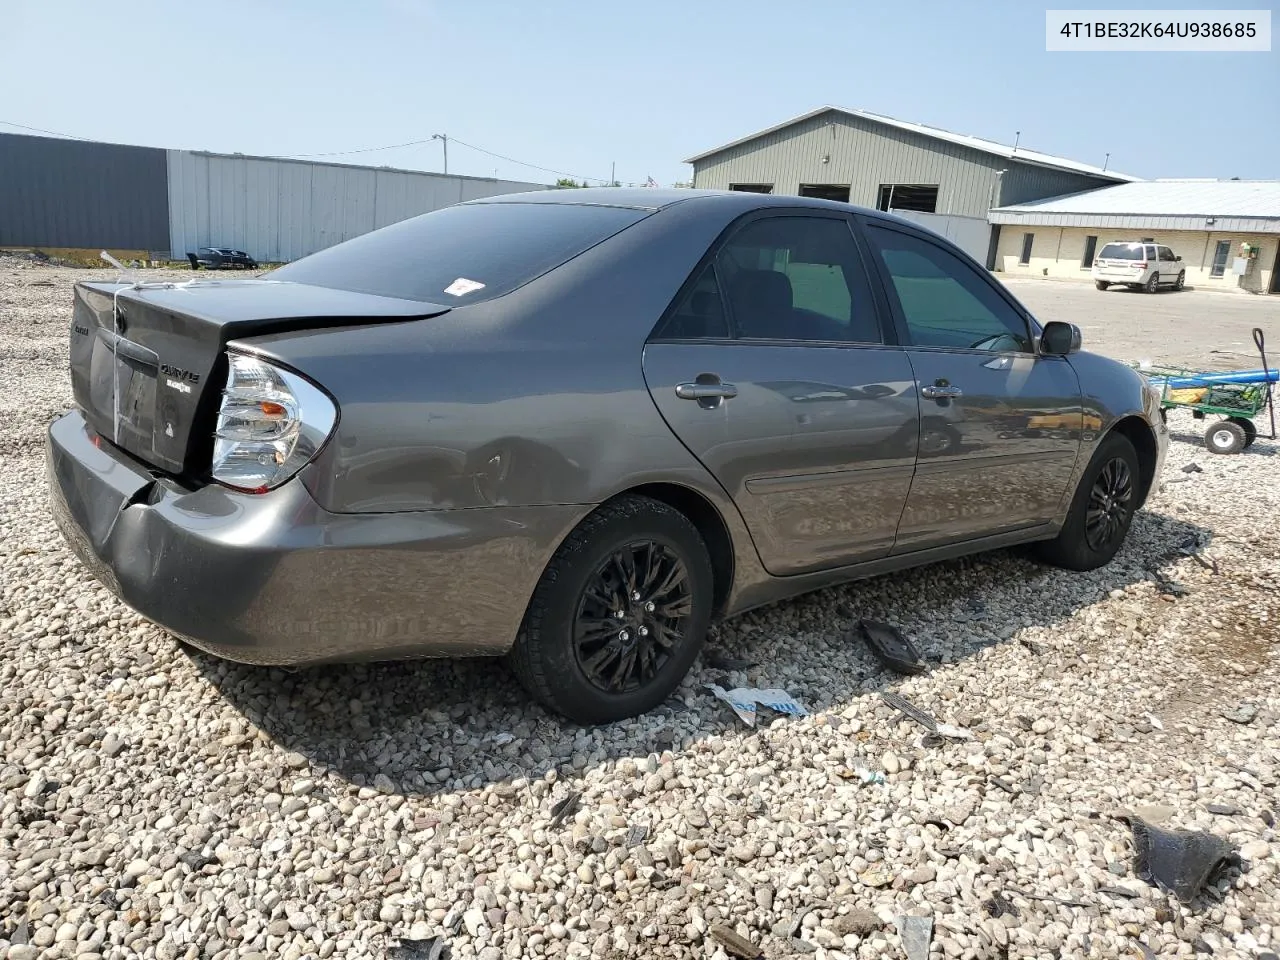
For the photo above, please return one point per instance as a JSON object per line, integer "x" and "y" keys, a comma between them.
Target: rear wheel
{"x": 1101, "y": 284}
{"x": 1226, "y": 436}
{"x": 619, "y": 615}
{"x": 1153, "y": 283}
{"x": 1101, "y": 510}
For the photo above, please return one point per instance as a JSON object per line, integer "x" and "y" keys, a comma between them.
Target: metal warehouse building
{"x": 150, "y": 202}
{"x": 1226, "y": 231}
{"x": 946, "y": 181}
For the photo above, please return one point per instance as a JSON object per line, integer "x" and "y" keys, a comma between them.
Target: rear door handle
{"x": 706, "y": 391}
{"x": 934, "y": 391}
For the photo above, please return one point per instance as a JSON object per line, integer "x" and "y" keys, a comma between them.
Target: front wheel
{"x": 1101, "y": 284}
{"x": 1101, "y": 510}
{"x": 619, "y": 615}
{"x": 1181, "y": 281}
{"x": 1153, "y": 283}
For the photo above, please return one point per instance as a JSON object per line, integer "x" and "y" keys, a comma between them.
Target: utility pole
{"x": 612, "y": 179}
{"x": 444, "y": 140}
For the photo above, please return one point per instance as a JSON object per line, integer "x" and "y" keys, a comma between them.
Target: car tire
{"x": 1101, "y": 284}
{"x": 1181, "y": 281}
{"x": 562, "y": 629}
{"x": 1101, "y": 510}
{"x": 1153, "y": 283}
{"x": 1226, "y": 437}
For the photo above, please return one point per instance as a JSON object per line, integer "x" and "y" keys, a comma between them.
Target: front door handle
{"x": 706, "y": 391}
{"x": 937, "y": 391}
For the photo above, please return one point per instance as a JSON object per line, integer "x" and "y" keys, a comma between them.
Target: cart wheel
{"x": 1225, "y": 436}
{"x": 1248, "y": 426}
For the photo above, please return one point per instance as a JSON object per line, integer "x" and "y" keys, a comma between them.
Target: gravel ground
{"x": 156, "y": 801}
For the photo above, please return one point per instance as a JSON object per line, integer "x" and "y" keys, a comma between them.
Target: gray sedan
{"x": 575, "y": 427}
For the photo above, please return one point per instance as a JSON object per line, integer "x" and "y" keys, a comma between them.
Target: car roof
{"x": 655, "y": 199}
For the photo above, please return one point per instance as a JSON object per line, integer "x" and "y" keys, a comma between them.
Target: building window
{"x": 1027, "y": 240}
{"x": 825, "y": 191}
{"x": 923, "y": 198}
{"x": 1221, "y": 253}
{"x": 1090, "y": 245}
{"x": 752, "y": 187}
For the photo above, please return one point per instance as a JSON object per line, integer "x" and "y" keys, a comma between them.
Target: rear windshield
{"x": 1123, "y": 251}
{"x": 461, "y": 254}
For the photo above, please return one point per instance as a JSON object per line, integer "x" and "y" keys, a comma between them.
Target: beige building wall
{"x": 1059, "y": 252}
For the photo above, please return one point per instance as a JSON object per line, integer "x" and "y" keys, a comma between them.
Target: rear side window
{"x": 1122, "y": 251}
{"x": 461, "y": 254}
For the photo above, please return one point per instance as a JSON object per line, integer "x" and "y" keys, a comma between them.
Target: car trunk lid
{"x": 148, "y": 363}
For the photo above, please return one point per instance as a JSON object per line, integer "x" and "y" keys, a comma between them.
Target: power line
{"x": 52, "y": 133}
{"x": 343, "y": 153}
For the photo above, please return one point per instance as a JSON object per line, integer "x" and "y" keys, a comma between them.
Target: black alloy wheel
{"x": 1110, "y": 505}
{"x": 632, "y": 615}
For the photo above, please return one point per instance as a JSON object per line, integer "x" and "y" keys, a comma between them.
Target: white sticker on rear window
{"x": 463, "y": 286}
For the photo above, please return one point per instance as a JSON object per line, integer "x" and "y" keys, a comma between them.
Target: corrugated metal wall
{"x": 280, "y": 210}
{"x": 73, "y": 193}
{"x": 865, "y": 154}
{"x": 1024, "y": 183}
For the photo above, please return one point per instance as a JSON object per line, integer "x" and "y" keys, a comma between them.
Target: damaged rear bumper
{"x": 275, "y": 579}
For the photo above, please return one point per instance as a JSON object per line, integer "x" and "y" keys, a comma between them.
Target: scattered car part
{"x": 891, "y": 647}
{"x": 1180, "y": 862}
{"x": 735, "y": 944}
{"x": 565, "y": 808}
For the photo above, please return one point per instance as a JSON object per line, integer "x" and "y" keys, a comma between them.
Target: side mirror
{"x": 1059, "y": 339}
{"x": 1179, "y": 259}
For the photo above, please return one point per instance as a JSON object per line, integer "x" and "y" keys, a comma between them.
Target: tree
{"x": 567, "y": 182}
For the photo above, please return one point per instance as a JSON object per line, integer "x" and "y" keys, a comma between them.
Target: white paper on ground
{"x": 744, "y": 701}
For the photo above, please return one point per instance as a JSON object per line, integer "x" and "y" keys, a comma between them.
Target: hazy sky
{"x": 576, "y": 87}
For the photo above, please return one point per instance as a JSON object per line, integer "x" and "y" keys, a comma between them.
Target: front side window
{"x": 797, "y": 278}
{"x": 944, "y": 301}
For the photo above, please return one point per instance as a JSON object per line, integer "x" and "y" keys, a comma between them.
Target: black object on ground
{"x": 719, "y": 661}
{"x": 999, "y": 906}
{"x": 890, "y": 647}
{"x": 1047, "y": 899}
{"x": 433, "y": 948}
{"x": 1120, "y": 892}
{"x": 1193, "y": 468}
{"x": 905, "y": 706}
{"x": 1180, "y": 862}
{"x": 735, "y": 944}
{"x": 565, "y": 809}
{"x": 1224, "y": 809}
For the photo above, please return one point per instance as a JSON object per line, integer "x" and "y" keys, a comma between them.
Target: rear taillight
{"x": 271, "y": 424}
{"x": 1141, "y": 265}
